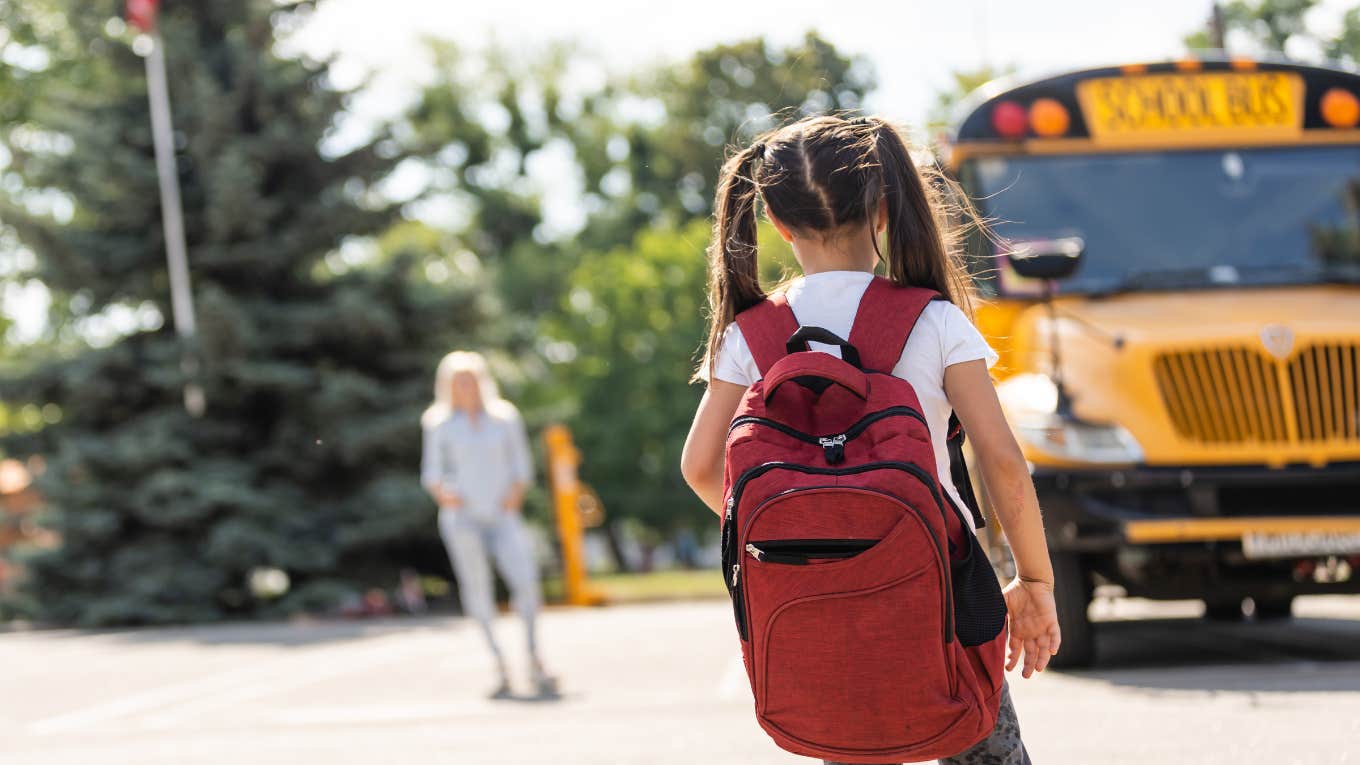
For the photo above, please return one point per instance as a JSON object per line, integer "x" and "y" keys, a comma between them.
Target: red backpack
{"x": 872, "y": 626}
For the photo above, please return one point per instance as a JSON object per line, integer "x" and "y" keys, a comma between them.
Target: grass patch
{"x": 674, "y": 584}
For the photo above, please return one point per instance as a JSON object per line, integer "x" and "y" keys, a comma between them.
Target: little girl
{"x": 832, "y": 188}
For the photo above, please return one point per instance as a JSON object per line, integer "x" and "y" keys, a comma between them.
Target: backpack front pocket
{"x": 884, "y": 667}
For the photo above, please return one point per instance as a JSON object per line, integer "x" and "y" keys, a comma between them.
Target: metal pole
{"x": 172, "y": 220}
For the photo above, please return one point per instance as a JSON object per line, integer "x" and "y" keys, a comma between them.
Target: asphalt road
{"x": 644, "y": 685}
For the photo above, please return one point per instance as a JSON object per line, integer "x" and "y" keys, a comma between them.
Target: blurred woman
{"x": 476, "y": 465}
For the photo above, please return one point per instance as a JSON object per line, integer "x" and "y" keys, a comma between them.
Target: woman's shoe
{"x": 502, "y": 691}
{"x": 544, "y": 684}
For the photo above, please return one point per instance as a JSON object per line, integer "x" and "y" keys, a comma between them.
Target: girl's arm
{"x": 1029, "y": 599}
{"x": 702, "y": 461}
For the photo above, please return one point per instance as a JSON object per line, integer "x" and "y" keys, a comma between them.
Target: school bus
{"x": 1175, "y": 295}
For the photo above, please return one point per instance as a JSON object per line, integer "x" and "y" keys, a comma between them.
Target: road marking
{"x": 316, "y": 668}
{"x": 352, "y": 715}
{"x": 134, "y": 703}
{"x": 251, "y": 681}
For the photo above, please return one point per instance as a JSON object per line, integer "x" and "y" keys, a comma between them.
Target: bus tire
{"x": 1219, "y": 610}
{"x": 1273, "y": 609}
{"x": 1072, "y": 591}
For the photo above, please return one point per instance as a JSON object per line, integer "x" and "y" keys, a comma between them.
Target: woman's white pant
{"x": 472, "y": 542}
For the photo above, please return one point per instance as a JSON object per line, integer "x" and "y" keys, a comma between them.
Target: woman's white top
{"x": 943, "y": 336}
{"x": 478, "y": 459}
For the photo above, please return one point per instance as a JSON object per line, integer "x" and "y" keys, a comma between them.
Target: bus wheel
{"x": 1273, "y": 609}
{"x": 1223, "y": 610}
{"x": 1072, "y": 591}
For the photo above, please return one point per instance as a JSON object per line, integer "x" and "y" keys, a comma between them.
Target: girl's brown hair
{"x": 821, "y": 176}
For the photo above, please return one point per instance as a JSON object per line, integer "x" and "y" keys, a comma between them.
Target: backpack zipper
{"x": 833, "y": 444}
{"x": 733, "y": 580}
{"x": 802, "y": 551}
{"x": 732, "y": 533}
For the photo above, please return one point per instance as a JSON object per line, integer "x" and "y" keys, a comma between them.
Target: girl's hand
{"x": 446, "y": 498}
{"x": 1033, "y": 617}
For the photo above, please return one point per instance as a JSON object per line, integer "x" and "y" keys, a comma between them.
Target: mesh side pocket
{"x": 979, "y": 606}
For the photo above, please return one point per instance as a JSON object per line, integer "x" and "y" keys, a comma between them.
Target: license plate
{"x": 1188, "y": 108}
{"x": 1300, "y": 544}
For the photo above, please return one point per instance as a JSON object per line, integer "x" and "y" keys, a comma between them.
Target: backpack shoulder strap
{"x": 886, "y": 316}
{"x": 766, "y": 328}
{"x": 958, "y": 470}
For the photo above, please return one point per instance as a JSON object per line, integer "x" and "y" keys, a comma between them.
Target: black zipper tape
{"x": 833, "y": 445}
{"x": 802, "y": 551}
{"x": 851, "y": 432}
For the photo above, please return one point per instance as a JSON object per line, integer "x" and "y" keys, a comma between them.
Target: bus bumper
{"x": 1187, "y": 532}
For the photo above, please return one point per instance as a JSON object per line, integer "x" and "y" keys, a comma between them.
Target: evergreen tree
{"x": 316, "y": 358}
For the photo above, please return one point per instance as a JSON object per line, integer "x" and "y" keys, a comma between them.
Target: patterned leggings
{"x": 1002, "y": 747}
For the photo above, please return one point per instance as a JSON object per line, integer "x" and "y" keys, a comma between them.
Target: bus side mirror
{"x": 1047, "y": 259}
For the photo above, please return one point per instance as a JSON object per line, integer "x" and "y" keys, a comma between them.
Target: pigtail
{"x": 924, "y": 246}
{"x": 733, "y": 272}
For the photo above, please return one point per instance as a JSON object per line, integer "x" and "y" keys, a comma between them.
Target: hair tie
{"x": 861, "y": 120}
{"x": 758, "y": 149}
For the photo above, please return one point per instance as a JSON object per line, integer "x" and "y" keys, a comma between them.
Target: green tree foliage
{"x": 1271, "y": 26}
{"x": 479, "y": 126}
{"x": 1271, "y": 23}
{"x": 645, "y": 148}
{"x": 625, "y": 339}
{"x": 315, "y": 361}
{"x": 663, "y": 169}
{"x": 626, "y": 344}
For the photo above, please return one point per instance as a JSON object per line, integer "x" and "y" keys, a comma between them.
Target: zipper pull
{"x": 736, "y": 573}
{"x": 731, "y": 501}
{"x": 833, "y": 448}
{"x": 755, "y": 552}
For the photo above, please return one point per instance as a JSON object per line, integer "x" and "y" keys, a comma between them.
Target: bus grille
{"x": 1238, "y": 395}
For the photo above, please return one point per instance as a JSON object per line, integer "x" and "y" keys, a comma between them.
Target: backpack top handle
{"x": 798, "y": 342}
{"x": 815, "y": 371}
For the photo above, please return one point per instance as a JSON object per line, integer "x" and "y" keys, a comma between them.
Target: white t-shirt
{"x": 943, "y": 336}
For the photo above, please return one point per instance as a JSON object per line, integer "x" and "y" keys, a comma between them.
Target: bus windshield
{"x": 1184, "y": 219}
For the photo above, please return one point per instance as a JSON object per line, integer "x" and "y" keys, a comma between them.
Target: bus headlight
{"x": 1031, "y": 402}
{"x": 1105, "y": 443}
